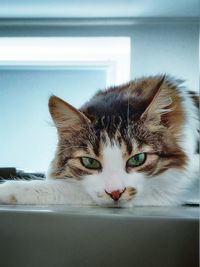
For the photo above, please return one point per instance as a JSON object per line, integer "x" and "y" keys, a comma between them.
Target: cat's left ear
{"x": 66, "y": 117}
{"x": 158, "y": 103}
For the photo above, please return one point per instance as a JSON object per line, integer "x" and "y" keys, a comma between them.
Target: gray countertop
{"x": 64, "y": 236}
{"x": 186, "y": 212}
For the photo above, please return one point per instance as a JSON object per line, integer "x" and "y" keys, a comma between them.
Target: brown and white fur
{"x": 153, "y": 115}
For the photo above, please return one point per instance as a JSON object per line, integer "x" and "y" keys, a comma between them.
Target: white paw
{"x": 6, "y": 194}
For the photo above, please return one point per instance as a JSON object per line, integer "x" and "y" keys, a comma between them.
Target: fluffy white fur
{"x": 170, "y": 188}
{"x": 40, "y": 192}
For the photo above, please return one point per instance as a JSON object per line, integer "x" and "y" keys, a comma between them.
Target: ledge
{"x": 182, "y": 212}
{"x": 60, "y": 236}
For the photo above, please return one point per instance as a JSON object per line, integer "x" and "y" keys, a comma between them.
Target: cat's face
{"x": 119, "y": 175}
{"x": 115, "y": 145}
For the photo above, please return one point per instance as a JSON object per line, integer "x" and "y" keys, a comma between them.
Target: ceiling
{"x": 99, "y": 8}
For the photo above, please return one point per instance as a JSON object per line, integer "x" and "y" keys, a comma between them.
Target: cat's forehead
{"x": 113, "y": 150}
{"x": 113, "y": 153}
{"x": 106, "y": 148}
{"x": 115, "y": 119}
{"x": 113, "y": 109}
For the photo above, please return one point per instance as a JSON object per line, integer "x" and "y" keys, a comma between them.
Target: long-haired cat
{"x": 133, "y": 144}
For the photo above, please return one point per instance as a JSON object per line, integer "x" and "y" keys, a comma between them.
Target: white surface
{"x": 171, "y": 49}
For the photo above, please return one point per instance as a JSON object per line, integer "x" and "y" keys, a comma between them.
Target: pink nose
{"x": 115, "y": 195}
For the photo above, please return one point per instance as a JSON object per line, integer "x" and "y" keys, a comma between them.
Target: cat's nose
{"x": 115, "y": 195}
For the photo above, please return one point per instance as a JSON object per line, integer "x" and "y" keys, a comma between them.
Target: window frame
{"x": 113, "y": 54}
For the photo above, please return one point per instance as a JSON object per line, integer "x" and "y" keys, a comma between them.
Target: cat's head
{"x": 120, "y": 140}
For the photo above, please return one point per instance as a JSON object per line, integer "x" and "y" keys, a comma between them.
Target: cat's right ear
{"x": 66, "y": 117}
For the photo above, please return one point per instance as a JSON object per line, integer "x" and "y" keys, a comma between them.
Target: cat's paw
{"x": 6, "y": 195}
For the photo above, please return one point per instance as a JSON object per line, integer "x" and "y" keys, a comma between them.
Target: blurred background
{"x": 73, "y": 48}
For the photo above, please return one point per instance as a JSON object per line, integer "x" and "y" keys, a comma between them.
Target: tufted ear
{"x": 158, "y": 102}
{"x": 66, "y": 117}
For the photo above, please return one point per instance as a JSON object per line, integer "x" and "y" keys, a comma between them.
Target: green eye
{"x": 136, "y": 160}
{"x": 90, "y": 163}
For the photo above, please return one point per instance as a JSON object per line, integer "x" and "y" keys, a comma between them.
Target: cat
{"x": 130, "y": 145}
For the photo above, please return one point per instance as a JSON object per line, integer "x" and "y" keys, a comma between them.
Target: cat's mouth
{"x": 118, "y": 197}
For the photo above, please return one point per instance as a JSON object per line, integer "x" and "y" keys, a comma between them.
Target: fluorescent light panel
{"x": 113, "y": 52}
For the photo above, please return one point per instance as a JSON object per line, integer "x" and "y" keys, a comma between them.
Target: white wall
{"x": 169, "y": 49}
{"x": 162, "y": 48}
{"x": 156, "y": 47}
